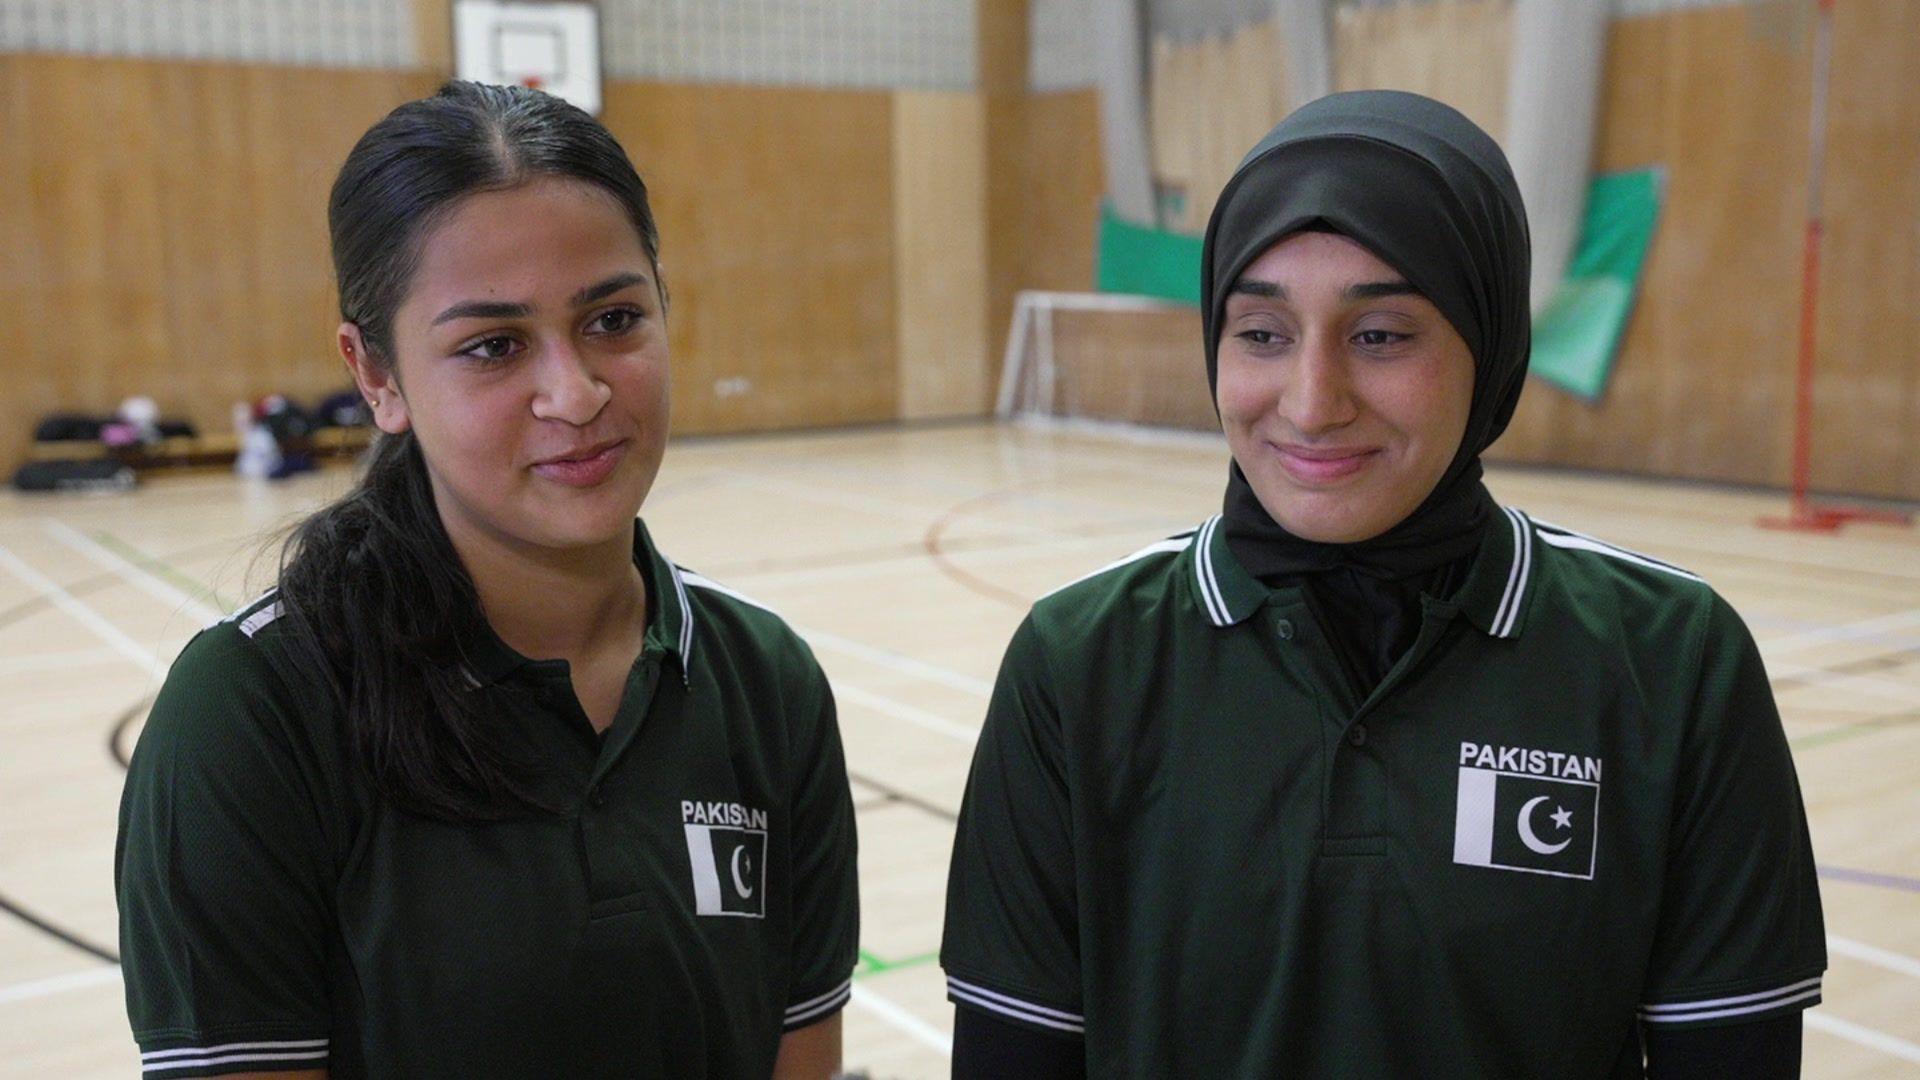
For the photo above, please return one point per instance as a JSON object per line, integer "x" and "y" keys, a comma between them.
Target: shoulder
{"x": 1598, "y": 569}
{"x": 236, "y": 656}
{"x": 1618, "y": 592}
{"x": 231, "y": 686}
{"x": 1119, "y": 594}
{"x": 739, "y": 626}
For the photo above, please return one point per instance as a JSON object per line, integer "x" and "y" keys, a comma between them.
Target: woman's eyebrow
{"x": 502, "y": 309}
{"x": 1255, "y": 287}
{"x": 1369, "y": 290}
{"x": 483, "y": 309}
{"x": 607, "y": 288}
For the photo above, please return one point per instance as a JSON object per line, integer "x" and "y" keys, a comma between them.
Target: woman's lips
{"x": 1316, "y": 466}
{"x": 591, "y": 468}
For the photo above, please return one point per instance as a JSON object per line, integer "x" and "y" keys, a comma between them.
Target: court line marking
{"x": 896, "y": 661}
{"x": 147, "y": 580}
{"x": 921, "y": 718}
{"x": 1873, "y": 954}
{"x": 1862, "y": 684}
{"x": 56, "y": 661}
{"x": 1870, "y": 877}
{"x": 59, "y": 984}
{"x": 1852, "y": 631}
{"x": 57, "y": 595}
{"x": 919, "y": 1029}
{"x": 1863, "y": 1035}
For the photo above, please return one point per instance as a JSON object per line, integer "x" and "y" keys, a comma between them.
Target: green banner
{"x": 1146, "y": 261}
{"x": 1577, "y": 335}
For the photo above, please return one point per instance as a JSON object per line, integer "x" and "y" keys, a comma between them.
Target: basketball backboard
{"x": 551, "y": 45}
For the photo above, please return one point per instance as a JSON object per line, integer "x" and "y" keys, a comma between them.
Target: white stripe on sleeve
{"x": 1681, "y": 1012}
{"x": 816, "y": 1007}
{"x": 1014, "y": 1007}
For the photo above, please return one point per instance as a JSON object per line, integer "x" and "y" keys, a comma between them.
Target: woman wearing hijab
{"x": 1370, "y": 775}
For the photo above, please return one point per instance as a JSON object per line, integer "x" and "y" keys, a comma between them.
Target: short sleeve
{"x": 826, "y": 901}
{"x": 1011, "y": 945}
{"x": 1740, "y": 933}
{"x": 221, "y": 869}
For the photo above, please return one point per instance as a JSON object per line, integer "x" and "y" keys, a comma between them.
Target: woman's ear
{"x": 377, "y": 382}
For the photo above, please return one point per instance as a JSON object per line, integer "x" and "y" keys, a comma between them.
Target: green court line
{"x": 873, "y": 965}
{"x": 159, "y": 569}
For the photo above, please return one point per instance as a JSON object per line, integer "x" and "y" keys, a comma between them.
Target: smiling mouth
{"x": 585, "y": 469}
{"x": 1314, "y": 467}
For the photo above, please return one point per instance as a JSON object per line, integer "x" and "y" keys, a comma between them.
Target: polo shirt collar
{"x": 1494, "y": 596}
{"x": 1499, "y": 585}
{"x": 1221, "y": 587}
{"x": 670, "y": 620}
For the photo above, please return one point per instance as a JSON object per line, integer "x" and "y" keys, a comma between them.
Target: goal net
{"x": 1105, "y": 357}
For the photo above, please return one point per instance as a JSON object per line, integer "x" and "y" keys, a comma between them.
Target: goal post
{"x": 1105, "y": 356}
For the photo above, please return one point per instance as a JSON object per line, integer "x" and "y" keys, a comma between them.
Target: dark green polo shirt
{"x": 1568, "y": 809}
{"x": 695, "y": 900}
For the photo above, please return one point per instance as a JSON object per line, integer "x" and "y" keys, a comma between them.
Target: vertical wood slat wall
{"x": 166, "y": 226}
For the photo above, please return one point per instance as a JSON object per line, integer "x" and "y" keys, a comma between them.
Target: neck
{"x": 548, "y": 603}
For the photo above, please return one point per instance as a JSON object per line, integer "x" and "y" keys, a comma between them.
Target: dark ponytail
{"x": 379, "y": 605}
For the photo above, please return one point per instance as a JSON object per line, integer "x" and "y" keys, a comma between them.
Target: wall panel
{"x": 1704, "y": 384}
{"x": 167, "y": 226}
{"x": 168, "y": 230}
{"x": 776, "y": 222}
{"x": 1867, "y": 406}
{"x": 940, "y": 243}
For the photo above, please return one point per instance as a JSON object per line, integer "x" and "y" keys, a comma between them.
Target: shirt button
{"x": 1357, "y": 734}
{"x": 1285, "y": 629}
{"x": 596, "y": 798}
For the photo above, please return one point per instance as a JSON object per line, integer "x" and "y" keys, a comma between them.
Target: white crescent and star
{"x": 740, "y": 882}
{"x": 1534, "y": 843}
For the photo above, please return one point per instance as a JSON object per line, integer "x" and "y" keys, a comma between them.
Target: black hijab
{"x": 1431, "y": 195}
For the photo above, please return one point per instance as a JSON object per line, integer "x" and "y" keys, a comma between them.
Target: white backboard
{"x": 551, "y": 45}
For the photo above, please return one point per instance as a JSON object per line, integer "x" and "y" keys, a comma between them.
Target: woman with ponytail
{"x": 487, "y": 786}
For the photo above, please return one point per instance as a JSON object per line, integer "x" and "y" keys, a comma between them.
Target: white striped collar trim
{"x": 1204, "y": 578}
{"x": 814, "y": 1008}
{"x": 244, "y": 609}
{"x": 1718, "y": 1008}
{"x": 200, "y": 1057}
{"x": 1507, "y": 616}
{"x": 259, "y": 620}
{"x": 1173, "y": 544}
{"x": 1577, "y": 541}
{"x": 686, "y": 622}
{"x": 1013, "y": 1007}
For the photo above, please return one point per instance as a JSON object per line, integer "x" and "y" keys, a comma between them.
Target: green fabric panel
{"x": 1577, "y": 335}
{"x": 1146, "y": 261}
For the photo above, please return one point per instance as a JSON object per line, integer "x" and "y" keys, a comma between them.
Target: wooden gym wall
{"x": 1718, "y": 97}
{"x": 826, "y": 249}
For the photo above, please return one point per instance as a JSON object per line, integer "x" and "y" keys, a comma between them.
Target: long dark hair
{"x": 380, "y": 606}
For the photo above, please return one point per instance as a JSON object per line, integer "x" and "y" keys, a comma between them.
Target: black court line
{"x": 20, "y": 612}
{"x": 894, "y": 794}
{"x": 1877, "y": 663}
{"x": 117, "y": 736}
{"x": 60, "y": 934}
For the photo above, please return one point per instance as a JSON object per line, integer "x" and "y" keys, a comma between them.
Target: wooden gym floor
{"x": 906, "y": 556}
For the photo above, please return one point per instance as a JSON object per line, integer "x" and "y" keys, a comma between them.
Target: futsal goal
{"x": 1105, "y": 357}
